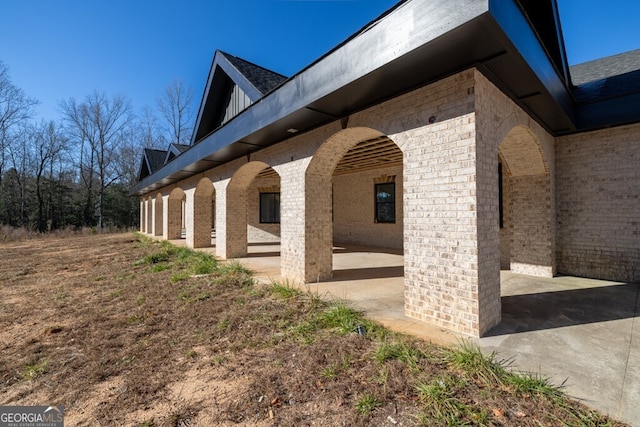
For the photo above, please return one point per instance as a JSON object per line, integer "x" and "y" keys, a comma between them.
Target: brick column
{"x": 174, "y": 217}
{"x": 486, "y": 204}
{"x": 152, "y": 203}
{"x": 305, "y": 216}
{"x": 201, "y": 214}
{"x": 231, "y": 220}
{"x": 149, "y": 220}
{"x": 188, "y": 217}
{"x": 165, "y": 217}
{"x": 451, "y": 227}
{"x": 142, "y": 216}
{"x": 157, "y": 216}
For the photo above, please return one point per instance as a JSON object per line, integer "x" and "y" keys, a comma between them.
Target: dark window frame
{"x": 274, "y": 217}
{"x": 378, "y": 204}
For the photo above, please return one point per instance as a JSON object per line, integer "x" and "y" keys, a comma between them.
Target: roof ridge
{"x": 229, "y": 55}
{"x": 263, "y": 79}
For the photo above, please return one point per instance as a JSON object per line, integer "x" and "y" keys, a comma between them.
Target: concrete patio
{"x": 580, "y": 333}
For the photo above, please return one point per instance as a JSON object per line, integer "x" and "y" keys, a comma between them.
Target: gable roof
{"x": 152, "y": 161}
{"x": 228, "y": 71}
{"x": 174, "y": 151}
{"x": 261, "y": 78}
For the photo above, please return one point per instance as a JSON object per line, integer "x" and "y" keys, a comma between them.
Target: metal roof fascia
{"x": 517, "y": 28}
{"x": 616, "y": 111}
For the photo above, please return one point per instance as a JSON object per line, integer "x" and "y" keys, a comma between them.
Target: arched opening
{"x": 203, "y": 216}
{"x": 176, "y": 214}
{"x": 526, "y": 240}
{"x": 252, "y": 212}
{"x": 354, "y": 202}
{"x": 158, "y": 215}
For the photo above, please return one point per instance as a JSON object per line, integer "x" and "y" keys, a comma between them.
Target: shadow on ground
{"x": 561, "y": 308}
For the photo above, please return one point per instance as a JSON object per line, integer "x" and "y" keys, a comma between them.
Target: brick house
{"x": 450, "y": 129}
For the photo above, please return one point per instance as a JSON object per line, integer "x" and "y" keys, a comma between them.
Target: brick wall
{"x": 598, "y": 196}
{"x": 354, "y": 209}
{"x": 174, "y": 213}
{"x": 527, "y": 155}
{"x": 158, "y": 215}
{"x": 529, "y": 226}
{"x": 257, "y": 232}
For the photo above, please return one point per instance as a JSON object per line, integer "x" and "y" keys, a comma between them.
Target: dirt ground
{"x": 121, "y": 336}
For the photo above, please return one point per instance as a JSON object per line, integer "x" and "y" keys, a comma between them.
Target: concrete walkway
{"x": 582, "y": 334}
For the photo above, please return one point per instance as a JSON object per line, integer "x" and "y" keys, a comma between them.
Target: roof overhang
{"x": 415, "y": 43}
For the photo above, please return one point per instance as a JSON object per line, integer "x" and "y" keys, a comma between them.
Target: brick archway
{"x": 318, "y": 209}
{"x": 175, "y": 213}
{"x": 527, "y": 240}
{"x": 232, "y": 226}
{"x": 200, "y": 235}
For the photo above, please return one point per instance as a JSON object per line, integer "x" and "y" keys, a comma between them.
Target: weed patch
{"x": 34, "y": 370}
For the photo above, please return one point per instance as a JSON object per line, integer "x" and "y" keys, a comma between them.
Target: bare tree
{"x": 148, "y": 132}
{"x": 21, "y": 160}
{"x": 48, "y": 143}
{"x": 175, "y": 107}
{"x": 98, "y": 125}
{"x": 15, "y": 108}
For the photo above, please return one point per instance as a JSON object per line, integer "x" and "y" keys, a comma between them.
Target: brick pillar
{"x": 165, "y": 217}
{"x": 188, "y": 217}
{"x": 486, "y": 204}
{"x": 201, "y": 214}
{"x": 149, "y": 214}
{"x": 305, "y": 224}
{"x": 451, "y": 227}
{"x": 157, "y": 215}
{"x": 142, "y": 216}
{"x": 152, "y": 203}
{"x": 231, "y": 220}
{"x": 174, "y": 217}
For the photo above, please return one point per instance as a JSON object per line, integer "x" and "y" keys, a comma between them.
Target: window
{"x": 386, "y": 202}
{"x": 270, "y": 208}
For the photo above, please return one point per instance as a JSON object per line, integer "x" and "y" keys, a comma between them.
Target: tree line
{"x": 77, "y": 172}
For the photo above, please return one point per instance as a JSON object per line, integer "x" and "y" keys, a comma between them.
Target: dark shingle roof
{"x": 604, "y": 68}
{"x": 155, "y": 158}
{"x": 606, "y": 78}
{"x": 181, "y": 148}
{"x": 263, "y": 79}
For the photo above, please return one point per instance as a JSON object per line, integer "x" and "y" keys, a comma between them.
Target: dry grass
{"x": 125, "y": 331}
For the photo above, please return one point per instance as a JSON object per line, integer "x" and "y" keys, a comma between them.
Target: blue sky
{"x": 68, "y": 48}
